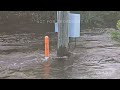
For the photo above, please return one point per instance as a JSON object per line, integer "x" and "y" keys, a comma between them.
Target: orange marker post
{"x": 46, "y": 47}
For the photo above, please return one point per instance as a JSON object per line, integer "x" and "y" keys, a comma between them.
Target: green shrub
{"x": 118, "y": 24}
{"x": 116, "y": 35}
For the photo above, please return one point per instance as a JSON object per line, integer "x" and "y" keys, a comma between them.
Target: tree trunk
{"x": 63, "y": 37}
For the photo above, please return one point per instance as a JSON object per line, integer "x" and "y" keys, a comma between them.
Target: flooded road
{"x": 96, "y": 56}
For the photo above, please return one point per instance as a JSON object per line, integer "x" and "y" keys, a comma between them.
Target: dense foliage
{"x": 25, "y": 17}
{"x": 89, "y": 19}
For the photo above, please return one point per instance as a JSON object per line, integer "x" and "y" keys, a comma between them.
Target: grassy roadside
{"x": 115, "y": 35}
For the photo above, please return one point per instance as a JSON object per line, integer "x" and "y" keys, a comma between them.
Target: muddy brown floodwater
{"x": 96, "y": 56}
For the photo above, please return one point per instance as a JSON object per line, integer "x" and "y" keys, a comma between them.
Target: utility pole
{"x": 63, "y": 37}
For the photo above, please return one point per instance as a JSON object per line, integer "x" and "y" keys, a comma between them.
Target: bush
{"x": 116, "y": 35}
{"x": 118, "y": 24}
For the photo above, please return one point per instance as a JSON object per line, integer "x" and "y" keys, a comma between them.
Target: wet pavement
{"x": 96, "y": 56}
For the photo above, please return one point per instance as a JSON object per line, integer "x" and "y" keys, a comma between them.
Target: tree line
{"x": 89, "y": 19}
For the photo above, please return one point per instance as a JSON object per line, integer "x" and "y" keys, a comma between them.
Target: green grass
{"x": 115, "y": 35}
